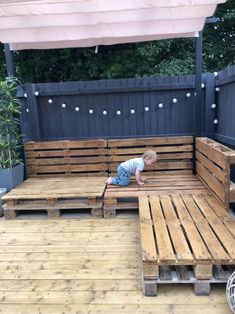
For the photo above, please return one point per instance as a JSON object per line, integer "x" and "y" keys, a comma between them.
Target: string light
{"x": 146, "y": 108}
{"x": 25, "y": 95}
{"x": 213, "y": 106}
{"x": 50, "y": 101}
{"x": 36, "y": 93}
{"x": 202, "y": 85}
{"x": 217, "y": 89}
{"x": 77, "y": 109}
{"x": 188, "y": 95}
{"x": 63, "y": 105}
{"x": 118, "y": 112}
{"x": 91, "y": 111}
{"x": 215, "y": 121}
{"x": 27, "y": 109}
{"x": 104, "y": 112}
{"x": 174, "y": 100}
{"x": 132, "y": 111}
{"x": 160, "y": 105}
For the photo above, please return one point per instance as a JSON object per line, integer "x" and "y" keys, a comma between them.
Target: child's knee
{"x": 124, "y": 183}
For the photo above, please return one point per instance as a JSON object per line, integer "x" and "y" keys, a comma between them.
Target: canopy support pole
{"x": 198, "y": 87}
{"x": 9, "y": 60}
{"x": 197, "y": 114}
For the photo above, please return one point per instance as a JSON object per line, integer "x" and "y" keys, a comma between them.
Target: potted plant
{"x": 11, "y": 166}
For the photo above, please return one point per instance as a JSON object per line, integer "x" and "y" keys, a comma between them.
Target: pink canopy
{"x": 43, "y": 24}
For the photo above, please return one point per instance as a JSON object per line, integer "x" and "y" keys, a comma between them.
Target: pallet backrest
{"x": 174, "y": 153}
{"x": 68, "y": 158}
{"x": 213, "y": 167}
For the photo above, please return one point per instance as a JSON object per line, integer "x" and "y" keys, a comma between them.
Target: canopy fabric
{"x": 44, "y": 24}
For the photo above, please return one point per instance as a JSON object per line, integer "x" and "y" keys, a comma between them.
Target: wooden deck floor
{"x": 85, "y": 266}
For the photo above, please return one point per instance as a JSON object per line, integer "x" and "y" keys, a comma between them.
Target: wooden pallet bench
{"x": 191, "y": 229}
{"x": 56, "y": 195}
{"x": 62, "y": 176}
{"x": 178, "y": 231}
{"x": 173, "y": 172}
{"x": 175, "y": 156}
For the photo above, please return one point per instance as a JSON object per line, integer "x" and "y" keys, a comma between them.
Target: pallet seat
{"x": 62, "y": 176}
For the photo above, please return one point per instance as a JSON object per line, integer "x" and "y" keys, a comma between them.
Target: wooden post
{"x": 209, "y": 101}
{"x": 32, "y": 112}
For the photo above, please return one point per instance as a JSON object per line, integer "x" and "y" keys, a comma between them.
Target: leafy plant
{"x": 10, "y": 138}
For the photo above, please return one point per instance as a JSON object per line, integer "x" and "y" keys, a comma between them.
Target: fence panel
{"x": 110, "y": 108}
{"x": 225, "y": 99}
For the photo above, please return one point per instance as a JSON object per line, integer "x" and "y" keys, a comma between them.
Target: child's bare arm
{"x": 138, "y": 178}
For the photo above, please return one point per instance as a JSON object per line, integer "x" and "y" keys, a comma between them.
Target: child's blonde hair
{"x": 150, "y": 154}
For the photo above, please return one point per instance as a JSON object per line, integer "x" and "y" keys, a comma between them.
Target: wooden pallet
{"x": 186, "y": 275}
{"x": 184, "y": 230}
{"x": 174, "y": 153}
{"x": 213, "y": 168}
{"x": 55, "y": 195}
{"x": 66, "y": 158}
{"x": 124, "y": 198}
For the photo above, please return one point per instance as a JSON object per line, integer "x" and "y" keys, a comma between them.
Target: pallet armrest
{"x": 226, "y": 151}
{"x": 213, "y": 162}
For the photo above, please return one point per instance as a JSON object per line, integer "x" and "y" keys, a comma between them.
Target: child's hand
{"x": 140, "y": 183}
{"x": 143, "y": 179}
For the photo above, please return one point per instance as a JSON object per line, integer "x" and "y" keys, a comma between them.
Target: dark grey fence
{"x": 112, "y": 108}
{"x": 225, "y": 100}
{"x": 130, "y": 107}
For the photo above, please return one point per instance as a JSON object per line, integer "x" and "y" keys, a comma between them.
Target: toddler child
{"x": 133, "y": 167}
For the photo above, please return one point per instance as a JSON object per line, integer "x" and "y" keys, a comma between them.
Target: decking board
{"x": 80, "y": 277}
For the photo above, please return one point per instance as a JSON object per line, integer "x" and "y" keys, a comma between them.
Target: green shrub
{"x": 10, "y": 137}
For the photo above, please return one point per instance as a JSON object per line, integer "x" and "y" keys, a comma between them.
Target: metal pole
{"x": 9, "y": 60}
{"x": 198, "y": 88}
{"x": 197, "y": 119}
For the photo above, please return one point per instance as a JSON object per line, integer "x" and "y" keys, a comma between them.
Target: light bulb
{"x": 217, "y": 89}
{"x": 25, "y": 95}
{"x": 77, "y": 109}
{"x": 215, "y": 121}
{"x": 160, "y": 105}
{"x": 213, "y": 106}
{"x": 174, "y": 100}
{"x": 50, "y": 101}
{"x": 202, "y": 85}
{"x": 146, "y": 109}
{"x": 63, "y": 105}
{"x": 105, "y": 112}
{"x": 188, "y": 95}
{"x": 36, "y": 93}
{"x": 132, "y": 111}
{"x": 118, "y": 112}
{"x": 91, "y": 111}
